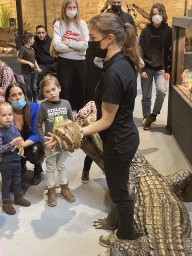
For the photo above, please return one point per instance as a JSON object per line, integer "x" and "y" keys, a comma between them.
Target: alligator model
{"x": 162, "y": 225}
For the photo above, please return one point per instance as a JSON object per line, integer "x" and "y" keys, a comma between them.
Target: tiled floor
{"x": 67, "y": 229}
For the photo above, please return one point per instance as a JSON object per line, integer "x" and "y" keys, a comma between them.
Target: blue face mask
{"x": 19, "y": 104}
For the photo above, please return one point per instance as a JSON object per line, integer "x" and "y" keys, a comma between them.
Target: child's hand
{"x": 17, "y": 141}
{"x": 38, "y": 69}
{"x": 144, "y": 75}
{"x": 49, "y": 144}
{"x": 31, "y": 65}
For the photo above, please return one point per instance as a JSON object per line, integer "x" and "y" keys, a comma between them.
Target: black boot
{"x": 85, "y": 176}
{"x": 37, "y": 174}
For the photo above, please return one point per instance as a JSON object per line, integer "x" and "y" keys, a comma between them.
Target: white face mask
{"x": 157, "y": 19}
{"x": 71, "y": 14}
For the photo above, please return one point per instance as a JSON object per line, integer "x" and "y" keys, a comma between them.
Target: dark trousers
{"x": 117, "y": 175}
{"x": 87, "y": 163}
{"x": 35, "y": 155}
{"x": 45, "y": 69}
{"x": 72, "y": 76}
{"x": 11, "y": 174}
{"x": 31, "y": 85}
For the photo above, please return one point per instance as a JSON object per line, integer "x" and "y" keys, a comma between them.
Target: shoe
{"x": 85, "y": 176}
{"x": 66, "y": 193}
{"x": 8, "y": 208}
{"x": 148, "y": 121}
{"x": 52, "y": 196}
{"x": 20, "y": 200}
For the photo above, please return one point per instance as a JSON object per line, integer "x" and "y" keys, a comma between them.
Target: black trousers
{"x": 87, "y": 163}
{"x": 45, "y": 69}
{"x": 117, "y": 175}
{"x": 35, "y": 155}
{"x": 72, "y": 76}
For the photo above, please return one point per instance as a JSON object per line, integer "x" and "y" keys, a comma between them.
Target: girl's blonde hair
{"x": 5, "y": 104}
{"x": 125, "y": 36}
{"x": 47, "y": 80}
{"x": 64, "y": 16}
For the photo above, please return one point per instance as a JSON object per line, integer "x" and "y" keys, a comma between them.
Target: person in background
{"x": 25, "y": 114}
{"x": 155, "y": 41}
{"x": 88, "y": 110}
{"x": 71, "y": 41}
{"x": 124, "y": 16}
{"x": 41, "y": 46}
{"x": 6, "y": 77}
{"x": 29, "y": 66}
{"x": 52, "y": 112}
{"x": 10, "y": 165}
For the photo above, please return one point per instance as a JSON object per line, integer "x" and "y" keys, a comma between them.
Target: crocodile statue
{"x": 162, "y": 225}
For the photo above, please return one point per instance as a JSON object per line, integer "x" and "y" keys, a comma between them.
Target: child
{"x": 29, "y": 66}
{"x": 52, "y": 111}
{"x": 10, "y": 166}
{"x": 155, "y": 42}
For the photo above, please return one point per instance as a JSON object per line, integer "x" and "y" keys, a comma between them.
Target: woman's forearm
{"x": 28, "y": 143}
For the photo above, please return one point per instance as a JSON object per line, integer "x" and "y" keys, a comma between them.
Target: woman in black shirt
{"x": 115, "y": 99}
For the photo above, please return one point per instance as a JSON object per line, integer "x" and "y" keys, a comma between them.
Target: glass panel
{"x": 186, "y": 86}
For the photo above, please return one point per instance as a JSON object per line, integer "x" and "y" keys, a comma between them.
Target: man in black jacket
{"x": 116, "y": 8}
{"x": 42, "y": 46}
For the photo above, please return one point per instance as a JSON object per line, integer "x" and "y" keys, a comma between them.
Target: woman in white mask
{"x": 71, "y": 38}
{"x": 155, "y": 41}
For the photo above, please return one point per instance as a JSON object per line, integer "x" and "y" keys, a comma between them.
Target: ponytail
{"x": 130, "y": 47}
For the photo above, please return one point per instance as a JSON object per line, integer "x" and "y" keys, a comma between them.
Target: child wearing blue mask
{"x": 10, "y": 166}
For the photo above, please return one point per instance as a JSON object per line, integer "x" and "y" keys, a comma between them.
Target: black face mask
{"x": 95, "y": 47}
{"x": 116, "y": 8}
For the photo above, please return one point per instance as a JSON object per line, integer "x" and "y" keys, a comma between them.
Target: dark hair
{"x": 46, "y": 80}
{"x": 26, "y": 109}
{"x": 40, "y": 26}
{"x": 125, "y": 36}
{"x": 26, "y": 37}
{"x": 162, "y": 12}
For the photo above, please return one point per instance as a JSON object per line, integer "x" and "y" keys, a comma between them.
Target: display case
{"x": 180, "y": 90}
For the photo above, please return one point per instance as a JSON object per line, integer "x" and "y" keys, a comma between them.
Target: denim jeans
{"x": 31, "y": 85}
{"x": 146, "y": 86}
{"x": 56, "y": 160}
{"x": 10, "y": 173}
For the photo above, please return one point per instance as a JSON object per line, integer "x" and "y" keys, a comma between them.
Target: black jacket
{"x": 156, "y": 46}
{"x": 125, "y": 18}
{"x": 42, "y": 48}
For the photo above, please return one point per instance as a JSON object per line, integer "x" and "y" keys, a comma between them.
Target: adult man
{"x": 42, "y": 46}
{"x": 116, "y": 8}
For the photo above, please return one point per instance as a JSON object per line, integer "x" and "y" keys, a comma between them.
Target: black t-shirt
{"x": 118, "y": 85}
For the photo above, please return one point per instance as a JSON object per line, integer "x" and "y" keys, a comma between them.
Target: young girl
{"x": 10, "y": 166}
{"x": 71, "y": 41}
{"x": 155, "y": 41}
{"x": 29, "y": 66}
{"x": 53, "y": 111}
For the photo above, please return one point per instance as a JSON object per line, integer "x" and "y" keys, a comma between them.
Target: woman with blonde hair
{"x": 71, "y": 41}
{"x": 115, "y": 99}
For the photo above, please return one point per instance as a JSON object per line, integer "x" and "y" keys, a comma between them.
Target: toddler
{"x": 10, "y": 166}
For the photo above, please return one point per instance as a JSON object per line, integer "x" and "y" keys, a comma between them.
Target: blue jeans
{"x": 31, "y": 85}
{"x": 10, "y": 173}
{"x": 146, "y": 86}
